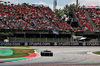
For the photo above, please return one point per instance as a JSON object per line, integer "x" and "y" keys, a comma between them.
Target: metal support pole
{"x": 46, "y": 39}
{"x": 24, "y": 36}
{"x": 76, "y": 2}
{"x": 55, "y": 4}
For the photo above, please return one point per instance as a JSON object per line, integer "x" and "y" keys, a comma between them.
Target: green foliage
{"x": 59, "y": 12}
{"x": 25, "y": 4}
{"x": 1, "y": 1}
{"x": 83, "y": 6}
{"x": 18, "y": 4}
{"x": 68, "y": 8}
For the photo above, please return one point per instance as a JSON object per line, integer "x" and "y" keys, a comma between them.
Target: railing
{"x": 16, "y": 39}
{"x": 33, "y": 31}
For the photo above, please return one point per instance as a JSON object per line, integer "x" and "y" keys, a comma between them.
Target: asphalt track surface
{"x": 63, "y": 56}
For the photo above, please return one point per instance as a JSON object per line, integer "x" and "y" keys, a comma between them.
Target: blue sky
{"x": 60, "y": 3}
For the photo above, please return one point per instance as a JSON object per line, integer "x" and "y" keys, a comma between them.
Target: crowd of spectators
{"x": 2, "y": 26}
{"x": 61, "y": 24}
{"x": 95, "y": 16}
{"x": 82, "y": 18}
{"x": 24, "y": 17}
{"x": 11, "y": 16}
{"x": 29, "y": 17}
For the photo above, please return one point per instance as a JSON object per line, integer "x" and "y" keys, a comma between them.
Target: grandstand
{"x": 31, "y": 22}
{"x": 30, "y": 18}
{"x": 88, "y": 20}
{"x": 36, "y": 23}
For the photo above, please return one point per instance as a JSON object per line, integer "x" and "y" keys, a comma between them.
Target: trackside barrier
{"x": 11, "y": 44}
{"x": 51, "y": 44}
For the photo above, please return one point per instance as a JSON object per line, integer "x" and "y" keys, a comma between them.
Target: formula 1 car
{"x": 46, "y": 53}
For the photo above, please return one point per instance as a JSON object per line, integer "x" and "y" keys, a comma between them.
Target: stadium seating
{"x": 23, "y": 17}
{"x": 54, "y": 19}
{"x": 95, "y": 16}
{"x": 82, "y": 18}
{"x": 43, "y": 18}
{"x": 11, "y": 16}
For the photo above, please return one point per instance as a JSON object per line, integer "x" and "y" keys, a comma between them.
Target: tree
{"x": 83, "y": 6}
{"x": 25, "y": 4}
{"x": 18, "y": 4}
{"x": 59, "y": 12}
{"x": 68, "y": 8}
{"x": 1, "y": 2}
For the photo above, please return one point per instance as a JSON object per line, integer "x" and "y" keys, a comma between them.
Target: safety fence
{"x": 16, "y": 39}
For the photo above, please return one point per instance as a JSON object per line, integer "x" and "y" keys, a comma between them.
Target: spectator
{"x": 82, "y": 18}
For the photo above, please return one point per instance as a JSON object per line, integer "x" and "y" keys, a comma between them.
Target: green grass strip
{"x": 97, "y": 52}
{"x": 18, "y": 46}
{"x": 19, "y": 53}
{"x": 14, "y": 59}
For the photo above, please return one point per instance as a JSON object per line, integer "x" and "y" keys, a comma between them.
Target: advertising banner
{"x": 50, "y": 44}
